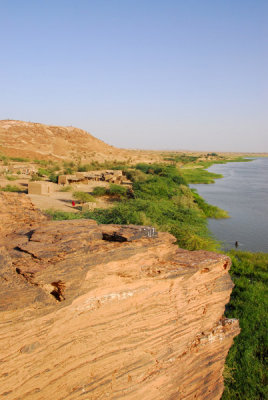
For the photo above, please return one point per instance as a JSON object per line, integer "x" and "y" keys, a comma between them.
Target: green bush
{"x": 11, "y": 188}
{"x": 63, "y": 215}
{"x": 212, "y": 154}
{"x": 85, "y": 167}
{"x": 136, "y": 175}
{"x": 43, "y": 172}
{"x": 95, "y": 165}
{"x": 83, "y": 197}
{"x": 4, "y": 158}
{"x": 117, "y": 190}
{"x": 53, "y": 177}
{"x": 181, "y": 158}
{"x": 36, "y": 177}
{"x": 68, "y": 171}
{"x": 67, "y": 164}
{"x": 11, "y": 177}
{"x": 99, "y": 191}
{"x": 44, "y": 163}
{"x": 20, "y": 159}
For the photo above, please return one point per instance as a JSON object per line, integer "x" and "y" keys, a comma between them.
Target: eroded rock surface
{"x": 108, "y": 312}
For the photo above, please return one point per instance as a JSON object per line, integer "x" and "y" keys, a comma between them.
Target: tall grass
{"x": 209, "y": 210}
{"x": 11, "y": 188}
{"x": 246, "y": 365}
{"x": 199, "y": 175}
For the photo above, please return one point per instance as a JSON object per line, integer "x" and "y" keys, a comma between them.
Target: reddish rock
{"x": 108, "y": 312}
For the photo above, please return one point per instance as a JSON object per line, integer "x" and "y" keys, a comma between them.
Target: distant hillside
{"x": 34, "y": 140}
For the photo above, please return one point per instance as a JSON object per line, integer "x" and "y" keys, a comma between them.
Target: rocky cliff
{"x": 107, "y": 312}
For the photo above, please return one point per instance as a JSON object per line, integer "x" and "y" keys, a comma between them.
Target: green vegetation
{"x": 199, "y": 175}
{"x": 44, "y": 163}
{"x": 49, "y": 172}
{"x": 11, "y": 177}
{"x": 212, "y": 155}
{"x": 117, "y": 191}
{"x": 36, "y": 177}
{"x": 99, "y": 191}
{"x": 43, "y": 172}
{"x": 83, "y": 197}
{"x": 181, "y": 158}
{"x": 69, "y": 168}
{"x": 135, "y": 175}
{"x": 160, "y": 198}
{"x": 53, "y": 177}
{"x": 246, "y": 365}
{"x": 47, "y": 164}
{"x": 209, "y": 210}
{"x": 11, "y": 188}
{"x": 95, "y": 165}
{"x": 5, "y": 159}
{"x": 19, "y": 159}
{"x": 64, "y": 215}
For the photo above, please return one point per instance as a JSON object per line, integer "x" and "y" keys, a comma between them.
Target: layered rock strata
{"x": 108, "y": 312}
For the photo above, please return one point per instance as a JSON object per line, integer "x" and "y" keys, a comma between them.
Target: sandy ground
{"x": 58, "y": 200}
{"x": 55, "y": 201}
{"x": 62, "y": 201}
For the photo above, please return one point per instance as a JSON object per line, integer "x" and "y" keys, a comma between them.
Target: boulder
{"x": 88, "y": 316}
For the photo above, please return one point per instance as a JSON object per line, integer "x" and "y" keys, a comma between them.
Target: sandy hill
{"x": 34, "y": 140}
{"x": 39, "y": 141}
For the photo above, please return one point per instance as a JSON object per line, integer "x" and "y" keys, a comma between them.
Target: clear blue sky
{"x": 140, "y": 73}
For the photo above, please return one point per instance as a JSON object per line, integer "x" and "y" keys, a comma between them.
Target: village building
{"x": 89, "y": 206}
{"x": 110, "y": 176}
{"x": 40, "y": 187}
{"x": 24, "y": 169}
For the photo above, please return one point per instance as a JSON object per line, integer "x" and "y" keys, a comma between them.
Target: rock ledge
{"x": 107, "y": 312}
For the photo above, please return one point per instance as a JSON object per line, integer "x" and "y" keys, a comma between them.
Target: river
{"x": 243, "y": 192}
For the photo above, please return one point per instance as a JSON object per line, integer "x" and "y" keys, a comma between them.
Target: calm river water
{"x": 243, "y": 192}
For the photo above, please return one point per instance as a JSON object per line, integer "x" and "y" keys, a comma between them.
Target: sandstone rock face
{"x": 17, "y": 213}
{"x": 108, "y": 312}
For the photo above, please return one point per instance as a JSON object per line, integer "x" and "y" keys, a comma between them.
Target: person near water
{"x": 236, "y": 244}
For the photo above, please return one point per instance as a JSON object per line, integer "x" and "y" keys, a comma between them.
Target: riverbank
{"x": 162, "y": 198}
{"x": 243, "y": 192}
{"x": 245, "y": 371}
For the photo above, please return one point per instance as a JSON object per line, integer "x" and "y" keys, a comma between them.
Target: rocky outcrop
{"x": 17, "y": 213}
{"x": 108, "y": 312}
